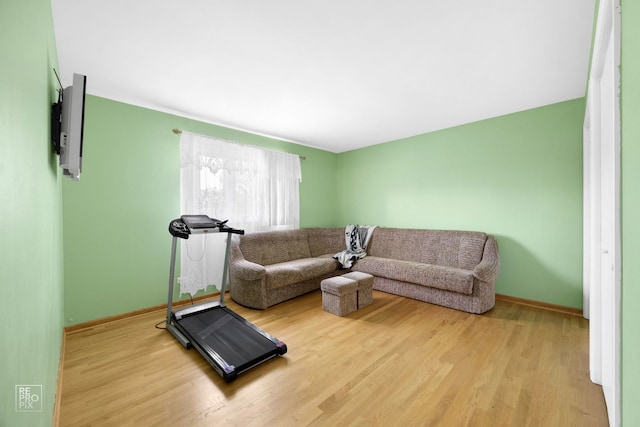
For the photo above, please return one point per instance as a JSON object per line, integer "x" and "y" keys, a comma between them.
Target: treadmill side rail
{"x": 179, "y": 336}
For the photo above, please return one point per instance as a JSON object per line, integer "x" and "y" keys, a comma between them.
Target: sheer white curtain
{"x": 254, "y": 188}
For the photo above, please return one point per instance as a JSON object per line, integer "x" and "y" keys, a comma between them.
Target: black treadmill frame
{"x": 181, "y": 332}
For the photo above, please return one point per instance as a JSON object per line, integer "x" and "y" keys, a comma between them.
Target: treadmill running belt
{"x": 234, "y": 341}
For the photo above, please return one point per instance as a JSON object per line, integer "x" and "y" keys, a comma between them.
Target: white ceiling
{"x": 336, "y": 75}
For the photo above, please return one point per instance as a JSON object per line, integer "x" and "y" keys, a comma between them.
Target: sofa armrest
{"x": 489, "y": 267}
{"x": 241, "y": 267}
{"x": 248, "y": 270}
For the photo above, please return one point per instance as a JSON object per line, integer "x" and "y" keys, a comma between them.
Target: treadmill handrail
{"x": 178, "y": 228}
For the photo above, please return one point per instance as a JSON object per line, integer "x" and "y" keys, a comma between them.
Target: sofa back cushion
{"x": 272, "y": 247}
{"x": 323, "y": 241}
{"x": 458, "y": 249}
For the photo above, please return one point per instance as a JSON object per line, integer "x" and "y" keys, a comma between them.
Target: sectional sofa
{"x": 456, "y": 269}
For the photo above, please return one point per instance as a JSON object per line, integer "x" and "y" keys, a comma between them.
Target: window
{"x": 254, "y": 188}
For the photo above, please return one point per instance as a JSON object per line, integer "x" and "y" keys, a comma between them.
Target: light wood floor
{"x": 397, "y": 362}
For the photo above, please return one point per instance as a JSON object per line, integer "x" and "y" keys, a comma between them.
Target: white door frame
{"x": 602, "y": 248}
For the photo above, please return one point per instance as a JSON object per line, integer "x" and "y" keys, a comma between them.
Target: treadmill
{"x": 230, "y": 343}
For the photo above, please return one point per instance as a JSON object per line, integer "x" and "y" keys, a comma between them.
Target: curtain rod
{"x": 178, "y": 132}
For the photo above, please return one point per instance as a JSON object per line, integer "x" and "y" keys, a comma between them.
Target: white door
{"x": 609, "y": 190}
{"x": 602, "y": 209}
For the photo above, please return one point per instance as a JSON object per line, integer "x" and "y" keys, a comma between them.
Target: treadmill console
{"x": 199, "y": 224}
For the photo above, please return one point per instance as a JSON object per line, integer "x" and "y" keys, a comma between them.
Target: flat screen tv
{"x": 67, "y": 122}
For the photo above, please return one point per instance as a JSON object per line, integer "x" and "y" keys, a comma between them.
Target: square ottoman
{"x": 365, "y": 287}
{"x": 339, "y": 295}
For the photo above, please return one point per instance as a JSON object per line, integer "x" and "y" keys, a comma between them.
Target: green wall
{"x": 31, "y": 274}
{"x": 518, "y": 177}
{"x": 116, "y": 243}
{"x": 630, "y": 203}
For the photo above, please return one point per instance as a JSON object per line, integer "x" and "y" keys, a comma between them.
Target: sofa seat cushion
{"x": 434, "y": 276}
{"x": 286, "y": 273}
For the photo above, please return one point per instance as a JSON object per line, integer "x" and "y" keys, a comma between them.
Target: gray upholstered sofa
{"x": 456, "y": 269}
